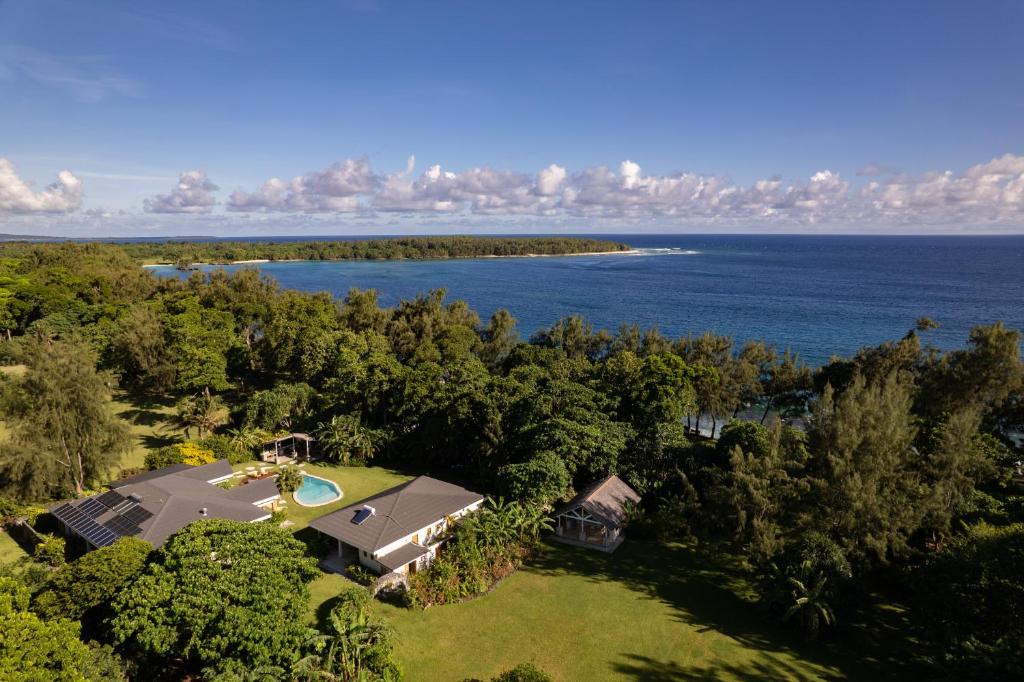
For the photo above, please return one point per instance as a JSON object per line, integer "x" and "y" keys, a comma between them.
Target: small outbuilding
{"x": 596, "y": 516}
{"x": 284, "y": 449}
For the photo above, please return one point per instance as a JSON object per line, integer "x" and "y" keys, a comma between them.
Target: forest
{"x": 394, "y": 248}
{"x": 894, "y": 471}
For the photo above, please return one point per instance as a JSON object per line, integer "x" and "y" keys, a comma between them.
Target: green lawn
{"x": 10, "y": 551}
{"x": 152, "y": 426}
{"x": 648, "y": 612}
{"x": 356, "y": 483}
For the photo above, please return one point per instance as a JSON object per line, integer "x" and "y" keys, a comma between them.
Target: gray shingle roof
{"x": 400, "y": 511}
{"x": 174, "y": 496}
{"x": 255, "y": 491}
{"x": 401, "y": 556}
{"x": 604, "y": 499}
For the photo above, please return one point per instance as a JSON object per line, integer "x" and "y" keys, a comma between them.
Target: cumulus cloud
{"x": 991, "y": 191}
{"x": 337, "y": 188}
{"x": 193, "y": 194}
{"x": 18, "y": 196}
{"x": 986, "y": 191}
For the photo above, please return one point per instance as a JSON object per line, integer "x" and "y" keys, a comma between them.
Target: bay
{"x": 819, "y": 295}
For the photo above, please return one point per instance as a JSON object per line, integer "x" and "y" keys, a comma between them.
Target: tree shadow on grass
{"x": 154, "y": 442}
{"x": 708, "y": 591}
{"x": 142, "y": 416}
{"x": 651, "y": 670}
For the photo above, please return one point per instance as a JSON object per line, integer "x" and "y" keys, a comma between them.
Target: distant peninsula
{"x": 186, "y": 253}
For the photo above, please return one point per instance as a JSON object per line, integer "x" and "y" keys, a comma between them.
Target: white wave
{"x": 663, "y": 251}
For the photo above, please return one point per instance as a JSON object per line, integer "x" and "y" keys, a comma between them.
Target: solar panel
{"x": 92, "y": 508}
{"x": 137, "y": 515}
{"x": 81, "y": 524}
{"x": 123, "y": 506}
{"x": 99, "y": 535}
{"x": 121, "y": 526}
{"x": 361, "y": 516}
{"x": 110, "y": 499}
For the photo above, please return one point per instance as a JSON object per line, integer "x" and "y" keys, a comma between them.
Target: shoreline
{"x": 257, "y": 261}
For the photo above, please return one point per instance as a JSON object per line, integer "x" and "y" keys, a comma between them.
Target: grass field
{"x": 648, "y": 612}
{"x": 152, "y": 426}
{"x": 10, "y": 551}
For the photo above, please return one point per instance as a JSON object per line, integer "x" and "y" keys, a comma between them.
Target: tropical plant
{"x": 809, "y": 602}
{"x": 203, "y": 411}
{"x": 345, "y": 440}
{"x": 289, "y": 479}
{"x": 356, "y": 647}
{"x": 245, "y": 441}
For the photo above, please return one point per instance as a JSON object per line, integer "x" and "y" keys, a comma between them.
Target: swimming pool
{"x": 316, "y": 491}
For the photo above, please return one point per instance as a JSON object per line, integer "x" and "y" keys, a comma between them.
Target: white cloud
{"x": 193, "y": 194}
{"x": 337, "y": 188}
{"x": 18, "y": 196}
{"x": 550, "y": 179}
{"x": 990, "y": 193}
{"x": 986, "y": 191}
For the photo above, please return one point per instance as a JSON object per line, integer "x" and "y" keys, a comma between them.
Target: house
{"x": 157, "y": 504}
{"x": 401, "y": 529}
{"x": 595, "y": 517}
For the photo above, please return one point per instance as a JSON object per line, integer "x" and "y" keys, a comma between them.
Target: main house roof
{"x": 605, "y": 499}
{"x": 155, "y": 505}
{"x": 398, "y": 512}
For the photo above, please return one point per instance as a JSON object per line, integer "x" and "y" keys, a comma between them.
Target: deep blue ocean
{"x": 819, "y": 295}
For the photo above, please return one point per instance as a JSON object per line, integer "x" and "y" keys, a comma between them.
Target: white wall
{"x": 422, "y": 532}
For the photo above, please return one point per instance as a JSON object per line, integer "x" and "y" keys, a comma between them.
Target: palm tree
{"x": 203, "y": 411}
{"x": 346, "y": 652}
{"x": 810, "y": 601}
{"x": 246, "y": 439}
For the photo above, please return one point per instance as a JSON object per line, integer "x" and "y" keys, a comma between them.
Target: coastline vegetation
{"x": 393, "y": 248}
{"x": 879, "y": 478}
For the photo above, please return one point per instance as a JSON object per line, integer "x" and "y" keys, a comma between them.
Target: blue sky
{"x": 732, "y": 112}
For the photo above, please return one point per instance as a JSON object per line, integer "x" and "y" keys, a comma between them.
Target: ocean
{"x": 818, "y": 295}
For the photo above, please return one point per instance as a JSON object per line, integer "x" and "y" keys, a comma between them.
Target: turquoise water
{"x": 315, "y": 491}
{"x": 818, "y": 295}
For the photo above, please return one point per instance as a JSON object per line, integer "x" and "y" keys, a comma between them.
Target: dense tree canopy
{"x": 219, "y": 590}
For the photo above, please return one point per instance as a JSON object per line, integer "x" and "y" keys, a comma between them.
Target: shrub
{"x": 524, "y": 672}
{"x": 278, "y": 516}
{"x": 221, "y": 448}
{"x": 360, "y": 574}
{"x": 51, "y": 550}
{"x": 488, "y": 545}
{"x": 190, "y": 453}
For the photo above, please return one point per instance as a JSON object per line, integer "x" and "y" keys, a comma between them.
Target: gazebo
{"x": 287, "y": 448}
{"x": 595, "y": 517}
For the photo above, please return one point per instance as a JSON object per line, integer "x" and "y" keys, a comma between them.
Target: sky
{"x": 378, "y": 117}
